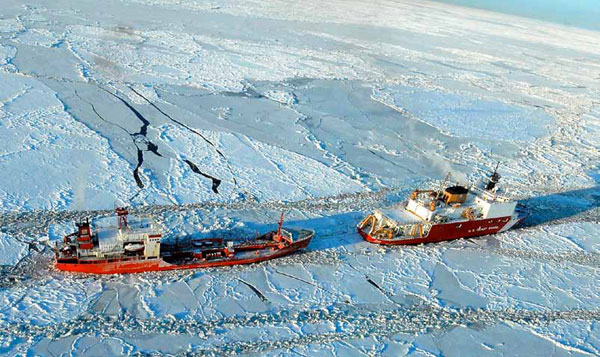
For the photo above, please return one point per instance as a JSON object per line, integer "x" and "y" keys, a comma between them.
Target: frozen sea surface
{"x": 472, "y": 118}
{"x": 213, "y": 117}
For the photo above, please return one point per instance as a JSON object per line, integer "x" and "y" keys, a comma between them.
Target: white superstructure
{"x": 109, "y": 239}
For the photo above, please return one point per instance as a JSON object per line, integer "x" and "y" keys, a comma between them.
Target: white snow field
{"x": 214, "y": 116}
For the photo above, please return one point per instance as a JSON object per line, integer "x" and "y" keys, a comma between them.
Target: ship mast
{"x": 280, "y": 225}
{"x": 122, "y": 216}
{"x": 494, "y": 178}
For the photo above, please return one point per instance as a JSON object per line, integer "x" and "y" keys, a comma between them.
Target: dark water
{"x": 578, "y": 13}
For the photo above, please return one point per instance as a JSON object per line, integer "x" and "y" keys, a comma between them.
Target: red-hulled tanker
{"x": 444, "y": 214}
{"x": 135, "y": 247}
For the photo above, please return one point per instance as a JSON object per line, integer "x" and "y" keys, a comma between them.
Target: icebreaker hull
{"x": 450, "y": 231}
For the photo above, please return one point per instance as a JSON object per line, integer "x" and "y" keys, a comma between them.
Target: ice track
{"x": 351, "y": 321}
{"x": 31, "y": 224}
{"x": 35, "y": 223}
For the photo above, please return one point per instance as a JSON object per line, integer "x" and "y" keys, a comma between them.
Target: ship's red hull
{"x": 449, "y": 231}
{"x": 139, "y": 265}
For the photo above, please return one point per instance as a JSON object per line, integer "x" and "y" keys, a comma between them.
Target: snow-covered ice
{"x": 213, "y": 116}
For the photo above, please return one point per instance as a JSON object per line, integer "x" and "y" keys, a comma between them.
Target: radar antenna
{"x": 494, "y": 178}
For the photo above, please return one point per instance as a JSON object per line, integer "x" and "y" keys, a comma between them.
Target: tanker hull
{"x": 135, "y": 246}
{"x": 257, "y": 252}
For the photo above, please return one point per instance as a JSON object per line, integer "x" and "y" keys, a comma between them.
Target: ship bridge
{"x": 457, "y": 202}
{"x": 115, "y": 239}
